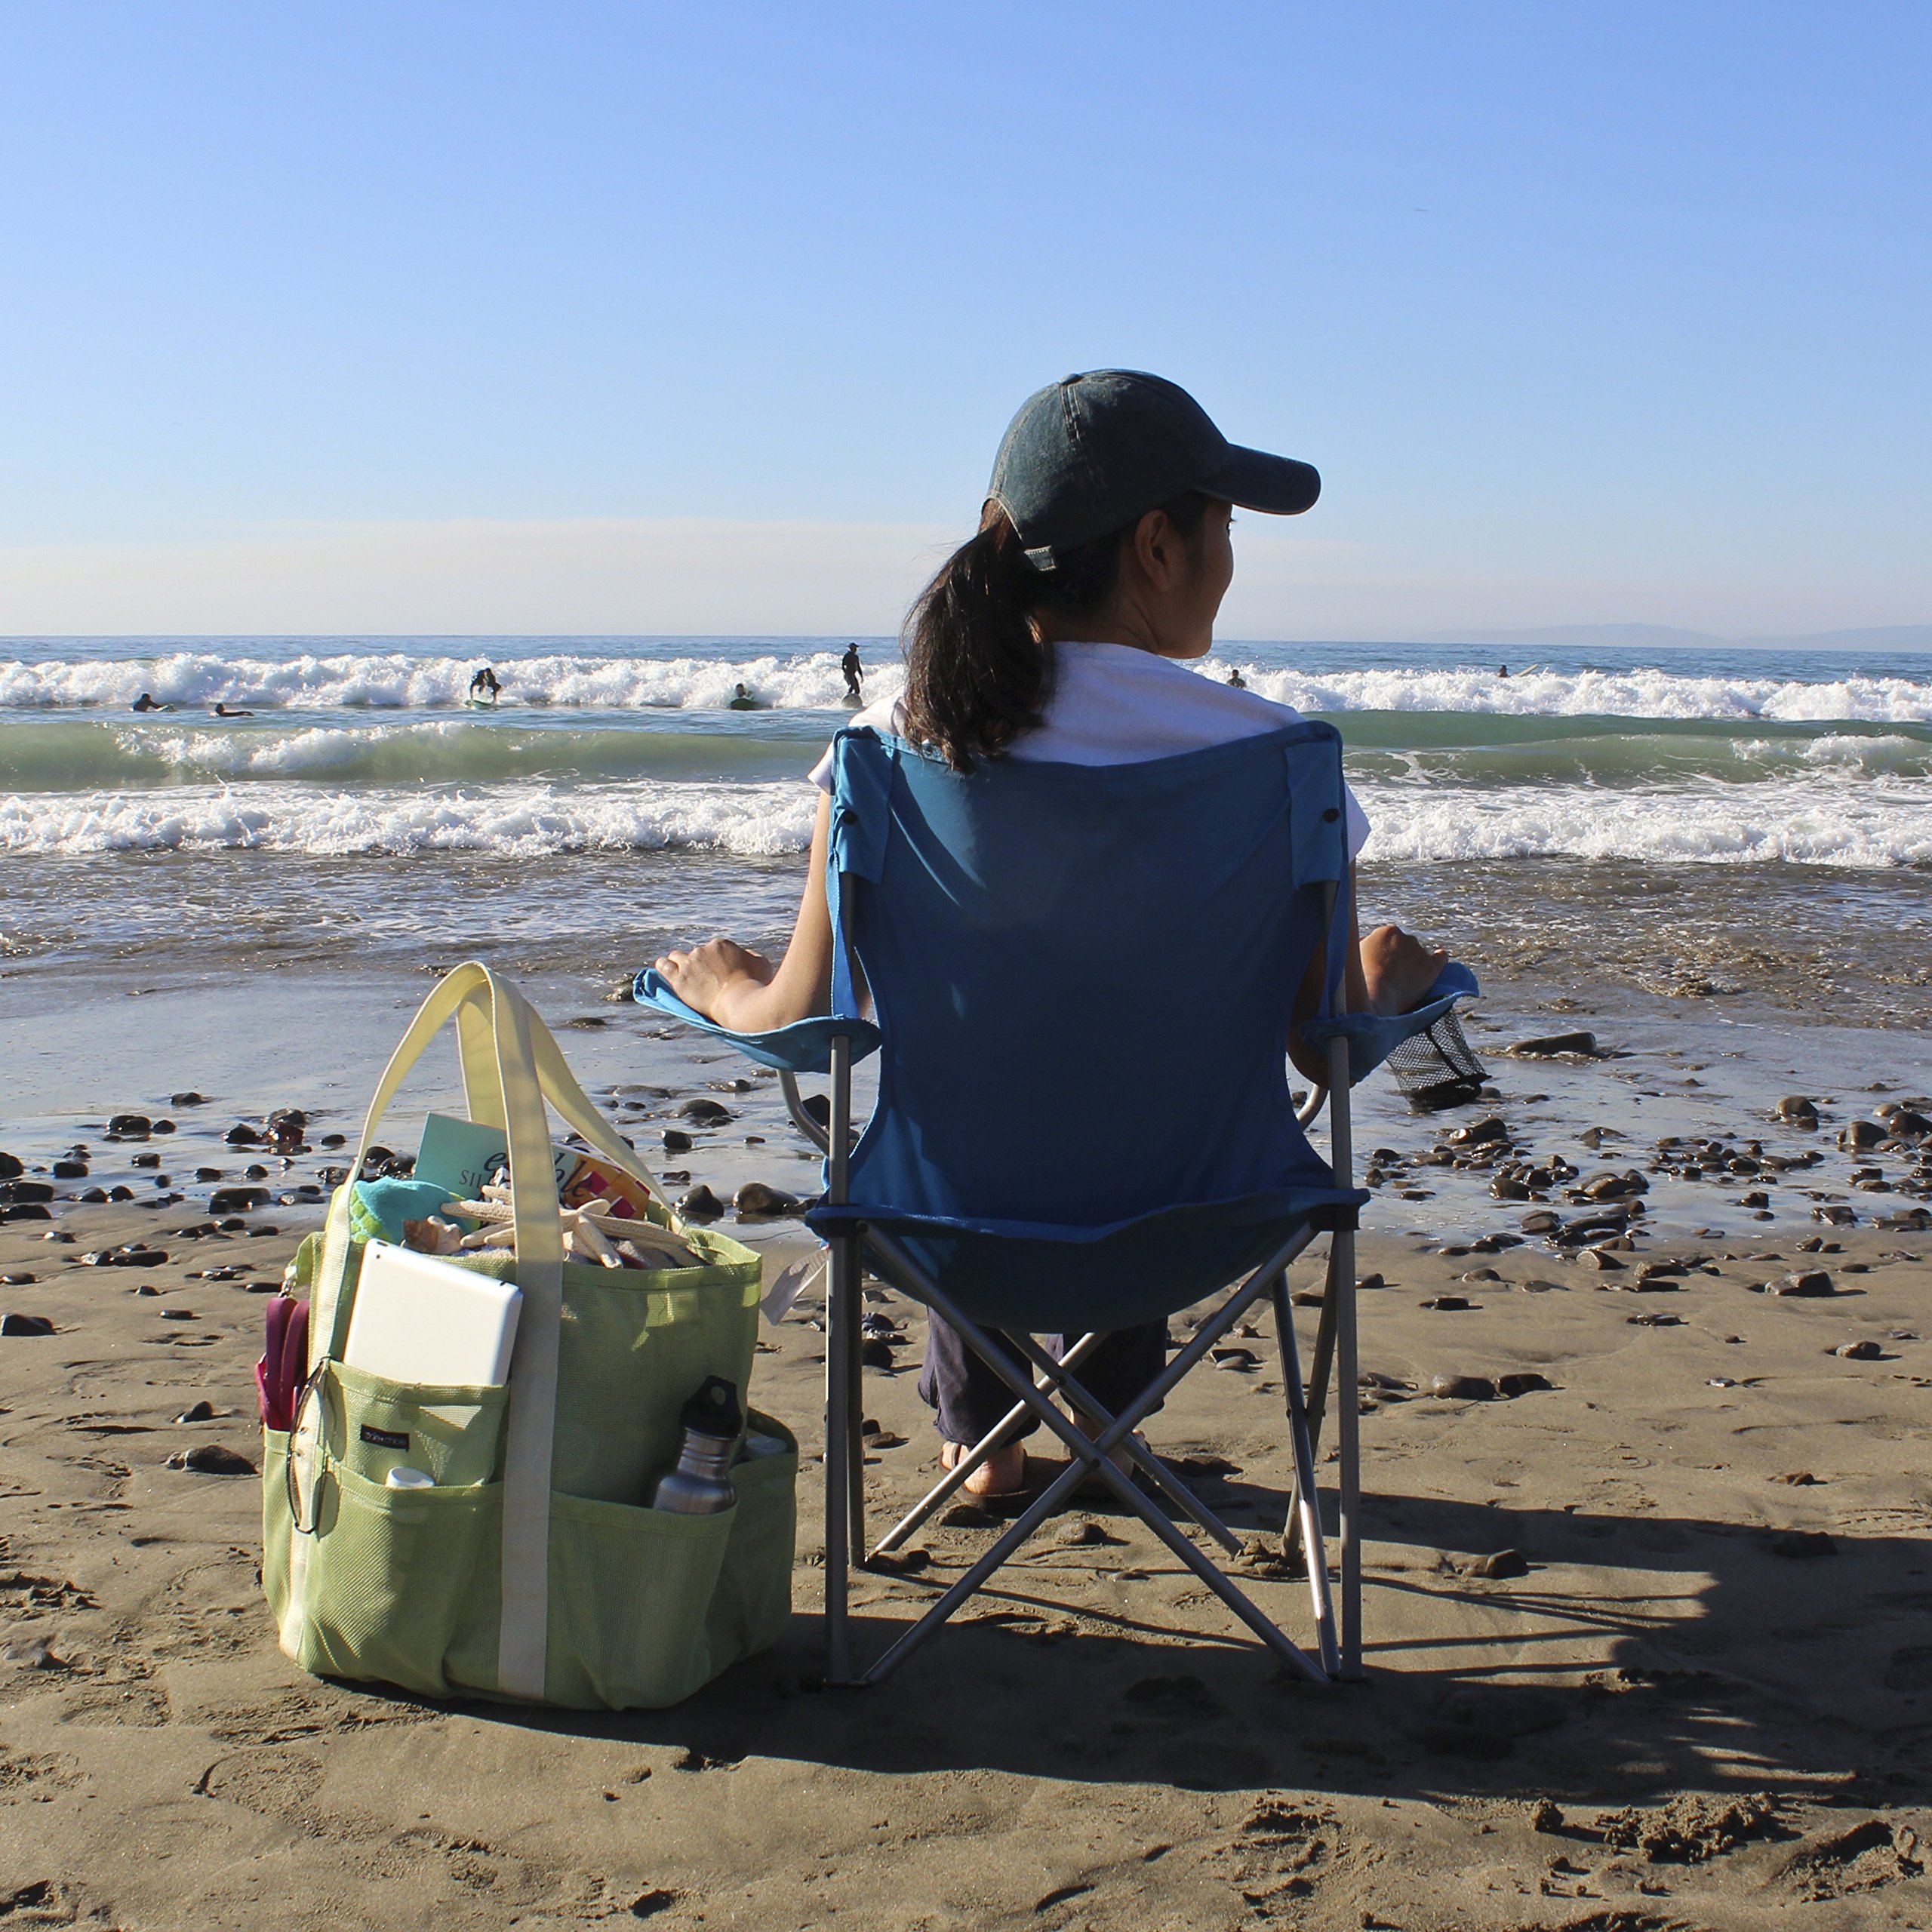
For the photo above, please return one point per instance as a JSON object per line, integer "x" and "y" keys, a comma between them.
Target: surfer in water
{"x": 485, "y": 688}
{"x": 855, "y": 676}
{"x": 1235, "y": 678}
{"x": 742, "y": 700}
{"x": 223, "y": 711}
{"x": 147, "y": 701}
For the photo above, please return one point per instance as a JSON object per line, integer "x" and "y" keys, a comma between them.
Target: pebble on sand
{"x": 25, "y": 1325}
{"x": 1804, "y": 1543}
{"x": 701, "y": 1204}
{"x": 1463, "y": 1388}
{"x": 211, "y": 1459}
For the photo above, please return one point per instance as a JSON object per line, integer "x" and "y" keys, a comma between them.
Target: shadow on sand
{"x": 1718, "y": 1666}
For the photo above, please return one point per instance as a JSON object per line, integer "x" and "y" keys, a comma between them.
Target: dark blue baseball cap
{"x": 1091, "y": 454}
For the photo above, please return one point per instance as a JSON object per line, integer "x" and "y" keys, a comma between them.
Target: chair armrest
{"x": 1372, "y": 1037}
{"x": 805, "y": 1047}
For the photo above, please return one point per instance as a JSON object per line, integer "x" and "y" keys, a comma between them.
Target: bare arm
{"x": 1388, "y": 972}
{"x": 741, "y": 989}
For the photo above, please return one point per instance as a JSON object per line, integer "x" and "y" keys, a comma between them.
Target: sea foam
{"x": 811, "y": 681}
{"x": 1826, "y": 821}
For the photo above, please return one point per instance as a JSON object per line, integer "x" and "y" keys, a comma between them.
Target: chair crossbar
{"x": 1088, "y": 1457}
{"x": 951, "y": 1482}
{"x": 1144, "y": 1458}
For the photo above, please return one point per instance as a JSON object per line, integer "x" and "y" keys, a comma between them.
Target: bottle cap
{"x": 713, "y": 1409}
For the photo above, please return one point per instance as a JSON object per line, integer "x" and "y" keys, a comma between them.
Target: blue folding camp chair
{"x": 1082, "y": 980}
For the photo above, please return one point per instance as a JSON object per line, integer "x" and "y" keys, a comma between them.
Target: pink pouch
{"x": 283, "y": 1368}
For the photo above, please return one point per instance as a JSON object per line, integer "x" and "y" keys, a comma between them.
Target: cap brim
{"x": 1253, "y": 480}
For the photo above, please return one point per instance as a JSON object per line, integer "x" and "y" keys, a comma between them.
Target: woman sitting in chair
{"x": 1062, "y": 633}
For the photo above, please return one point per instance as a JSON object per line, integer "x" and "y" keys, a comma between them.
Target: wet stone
{"x": 132, "y": 1127}
{"x": 1810, "y": 1284}
{"x": 242, "y": 1135}
{"x": 676, "y": 1141}
{"x": 756, "y": 1198}
{"x": 16, "y": 1280}
{"x": 874, "y": 1353}
{"x": 1449, "y": 1304}
{"x": 704, "y": 1113}
{"x": 701, "y": 1204}
{"x": 188, "y": 1098}
{"x": 1548, "y": 1045}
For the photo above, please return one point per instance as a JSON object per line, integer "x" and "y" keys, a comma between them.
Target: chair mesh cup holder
{"x": 1437, "y": 1068}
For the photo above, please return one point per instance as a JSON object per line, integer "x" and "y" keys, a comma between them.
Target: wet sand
{"x": 1699, "y": 1695}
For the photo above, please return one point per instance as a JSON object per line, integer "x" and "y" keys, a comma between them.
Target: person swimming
{"x": 742, "y": 700}
{"x": 1235, "y": 679}
{"x": 223, "y": 711}
{"x": 147, "y": 701}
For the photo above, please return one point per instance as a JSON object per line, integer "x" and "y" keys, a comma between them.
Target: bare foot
{"x": 1397, "y": 969}
{"x": 1003, "y": 1472}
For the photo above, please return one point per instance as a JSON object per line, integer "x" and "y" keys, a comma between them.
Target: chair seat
{"x": 1041, "y": 1279}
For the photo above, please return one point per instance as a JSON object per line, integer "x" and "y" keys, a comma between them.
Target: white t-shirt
{"x": 1112, "y": 704}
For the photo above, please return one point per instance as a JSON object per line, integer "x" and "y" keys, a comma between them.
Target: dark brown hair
{"x": 978, "y": 673}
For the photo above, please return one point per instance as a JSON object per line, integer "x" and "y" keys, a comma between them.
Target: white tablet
{"x": 418, "y": 1317}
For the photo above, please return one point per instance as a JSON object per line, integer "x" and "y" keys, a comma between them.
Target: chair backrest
{"x": 1085, "y": 975}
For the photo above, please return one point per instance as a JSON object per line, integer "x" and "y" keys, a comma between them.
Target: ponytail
{"x": 978, "y": 673}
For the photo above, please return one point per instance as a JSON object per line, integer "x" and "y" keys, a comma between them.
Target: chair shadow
{"x": 1718, "y": 1665}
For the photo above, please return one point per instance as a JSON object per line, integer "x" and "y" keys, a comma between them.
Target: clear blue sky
{"x": 1584, "y": 311}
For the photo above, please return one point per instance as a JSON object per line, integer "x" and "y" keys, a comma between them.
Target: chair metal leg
{"x": 1089, "y": 1457}
{"x": 1320, "y": 1368}
{"x": 840, "y": 1449}
{"x": 1305, "y": 1509}
{"x": 843, "y": 1469}
{"x": 1347, "y": 1401}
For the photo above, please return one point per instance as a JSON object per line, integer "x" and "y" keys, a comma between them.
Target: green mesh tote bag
{"x": 527, "y": 1567}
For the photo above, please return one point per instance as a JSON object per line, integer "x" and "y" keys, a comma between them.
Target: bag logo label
{"x": 385, "y": 1438}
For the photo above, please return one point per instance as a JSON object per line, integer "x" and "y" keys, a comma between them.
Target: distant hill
{"x": 1640, "y": 637}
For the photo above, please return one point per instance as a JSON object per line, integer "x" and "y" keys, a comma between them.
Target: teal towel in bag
{"x": 378, "y": 1208}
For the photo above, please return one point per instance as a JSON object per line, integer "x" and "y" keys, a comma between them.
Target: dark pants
{"x": 970, "y": 1398}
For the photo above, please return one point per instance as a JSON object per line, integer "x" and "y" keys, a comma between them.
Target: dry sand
{"x": 1676, "y": 1715}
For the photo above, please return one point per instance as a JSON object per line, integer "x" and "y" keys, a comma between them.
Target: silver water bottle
{"x": 701, "y": 1485}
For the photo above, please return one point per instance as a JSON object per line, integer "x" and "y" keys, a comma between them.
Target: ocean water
{"x": 364, "y": 808}
{"x": 1721, "y": 861}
